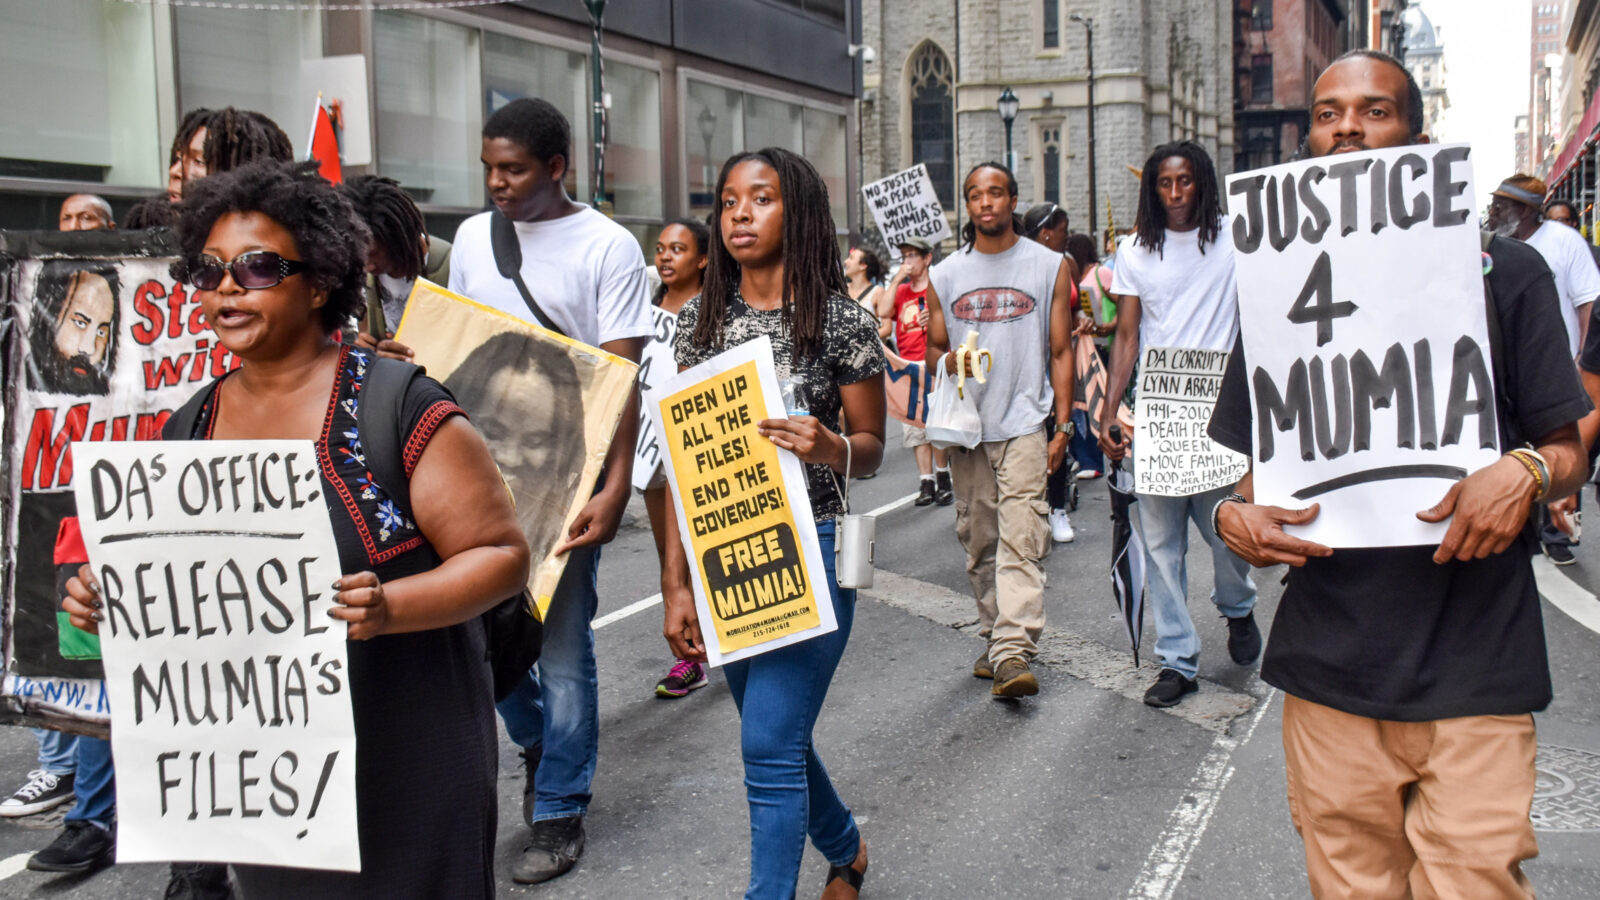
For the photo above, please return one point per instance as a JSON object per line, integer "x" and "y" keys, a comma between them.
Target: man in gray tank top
{"x": 1017, "y": 295}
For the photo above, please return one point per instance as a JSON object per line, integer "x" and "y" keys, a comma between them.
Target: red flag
{"x": 324, "y": 144}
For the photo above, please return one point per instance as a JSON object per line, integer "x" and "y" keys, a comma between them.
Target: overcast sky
{"x": 1485, "y": 96}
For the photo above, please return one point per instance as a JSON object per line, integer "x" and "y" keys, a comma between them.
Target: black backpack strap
{"x": 380, "y": 416}
{"x": 508, "y": 259}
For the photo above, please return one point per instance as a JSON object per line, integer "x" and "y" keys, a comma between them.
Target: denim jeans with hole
{"x": 557, "y": 706}
{"x": 779, "y": 694}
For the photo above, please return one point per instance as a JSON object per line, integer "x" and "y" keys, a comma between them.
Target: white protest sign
{"x": 230, "y": 693}
{"x": 1172, "y": 454}
{"x": 1366, "y": 344}
{"x": 905, "y": 205}
{"x": 744, "y": 512}
{"x": 656, "y": 365}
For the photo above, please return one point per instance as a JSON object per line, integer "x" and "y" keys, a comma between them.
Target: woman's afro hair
{"x": 328, "y": 235}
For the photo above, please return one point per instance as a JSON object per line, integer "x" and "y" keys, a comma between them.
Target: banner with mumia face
{"x": 1361, "y": 305}
{"x": 104, "y": 344}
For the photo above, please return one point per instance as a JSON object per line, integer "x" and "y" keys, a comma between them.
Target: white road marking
{"x": 1164, "y": 867}
{"x": 1565, "y": 594}
{"x": 626, "y": 611}
{"x": 639, "y": 606}
{"x": 13, "y": 864}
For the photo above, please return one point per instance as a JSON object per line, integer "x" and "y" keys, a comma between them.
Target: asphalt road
{"x": 1082, "y": 792}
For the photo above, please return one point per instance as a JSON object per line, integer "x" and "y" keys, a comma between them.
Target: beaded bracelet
{"x": 1537, "y": 467}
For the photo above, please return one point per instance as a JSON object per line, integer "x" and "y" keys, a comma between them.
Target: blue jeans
{"x": 58, "y": 751}
{"x": 779, "y": 694}
{"x": 96, "y": 785}
{"x": 1164, "y": 523}
{"x": 1083, "y": 447}
{"x": 557, "y": 707}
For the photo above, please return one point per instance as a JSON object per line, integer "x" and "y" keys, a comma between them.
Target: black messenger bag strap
{"x": 508, "y": 259}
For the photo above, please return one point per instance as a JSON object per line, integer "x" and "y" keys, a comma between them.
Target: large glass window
{"x": 825, "y": 148}
{"x": 1261, "y": 78}
{"x": 633, "y": 147}
{"x": 933, "y": 120}
{"x": 713, "y": 131}
{"x": 80, "y": 95}
{"x": 249, "y": 60}
{"x": 429, "y": 107}
{"x": 771, "y": 123}
{"x": 513, "y": 69}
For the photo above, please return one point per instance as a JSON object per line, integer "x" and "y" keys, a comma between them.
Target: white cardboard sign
{"x": 1366, "y": 343}
{"x": 905, "y": 205}
{"x": 230, "y": 692}
{"x": 1172, "y": 454}
{"x": 656, "y": 365}
{"x": 743, "y": 508}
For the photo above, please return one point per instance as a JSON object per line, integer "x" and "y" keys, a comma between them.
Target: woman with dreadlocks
{"x": 1174, "y": 287}
{"x": 212, "y": 141}
{"x": 774, "y": 271}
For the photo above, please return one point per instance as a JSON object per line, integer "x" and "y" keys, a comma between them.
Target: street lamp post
{"x": 1088, "y": 25}
{"x": 1008, "y": 114}
{"x": 597, "y": 12}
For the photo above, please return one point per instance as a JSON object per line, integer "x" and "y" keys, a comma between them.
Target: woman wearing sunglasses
{"x": 277, "y": 257}
{"x": 774, "y": 271}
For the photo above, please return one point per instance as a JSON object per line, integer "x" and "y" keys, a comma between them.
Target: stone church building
{"x": 1162, "y": 72}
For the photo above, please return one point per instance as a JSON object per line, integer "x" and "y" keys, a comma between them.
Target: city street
{"x": 1081, "y": 792}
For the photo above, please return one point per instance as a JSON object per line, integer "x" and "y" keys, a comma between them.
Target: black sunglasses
{"x": 253, "y": 271}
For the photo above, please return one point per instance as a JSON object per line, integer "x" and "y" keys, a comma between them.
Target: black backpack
{"x": 513, "y": 637}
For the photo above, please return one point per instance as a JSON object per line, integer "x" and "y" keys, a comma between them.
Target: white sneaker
{"x": 1061, "y": 527}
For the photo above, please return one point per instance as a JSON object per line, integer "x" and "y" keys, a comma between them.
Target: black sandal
{"x": 850, "y": 876}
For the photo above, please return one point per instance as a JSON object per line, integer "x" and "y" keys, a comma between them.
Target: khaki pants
{"x": 1000, "y": 519}
{"x": 1411, "y": 809}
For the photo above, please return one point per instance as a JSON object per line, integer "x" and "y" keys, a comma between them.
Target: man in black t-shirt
{"x": 1411, "y": 673}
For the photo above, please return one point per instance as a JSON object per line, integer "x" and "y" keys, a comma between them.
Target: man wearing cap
{"x": 908, "y": 310}
{"x": 1517, "y": 211}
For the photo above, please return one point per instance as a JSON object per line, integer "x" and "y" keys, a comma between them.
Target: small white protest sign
{"x": 656, "y": 365}
{"x": 906, "y": 205}
{"x": 1172, "y": 454}
{"x": 230, "y": 692}
{"x": 1366, "y": 343}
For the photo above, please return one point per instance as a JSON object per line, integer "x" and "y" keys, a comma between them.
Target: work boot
{"x": 944, "y": 492}
{"x": 983, "y": 668}
{"x": 1013, "y": 678}
{"x": 80, "y": 847}
{"x": 1244, "y": 639}
{"x": 554, "y": 846}
{"x": 925, "y": 493}
{"x": 1169, "y": 689}
{"x": 530, "y": 763}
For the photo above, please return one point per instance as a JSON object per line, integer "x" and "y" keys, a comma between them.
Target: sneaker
{"x": 1560, "y": 554}
{"x": 1244, "y": 639}
{"x": 43, "y": 791}
{"x": 1061, "y": 527}
{"x": 530, "y": 765}
{"x": 554, "y": 846}
{"x": 198, "y": 881}
{"x": 684, "y": 677}
{"x": 1089, "y": 474}
{"x": 1013, "y": 678}
{"x": 983, "y": 668}
{"x": 1170, "y": 687}
{"x": 80, "y": 847}
{"x": 925, "y": 493}
{"x": 944, "y": 492}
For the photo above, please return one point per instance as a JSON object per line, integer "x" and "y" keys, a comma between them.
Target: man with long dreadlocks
{"x": 402, "y": 251}
{"x": 1174, "y": 287}
{"x": 1017, "y": 296}
{"x": 210, "y": 141}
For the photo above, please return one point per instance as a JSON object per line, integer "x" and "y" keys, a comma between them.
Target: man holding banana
{"x": 1017, "y": 297}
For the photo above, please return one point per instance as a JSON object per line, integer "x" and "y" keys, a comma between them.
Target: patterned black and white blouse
{"x": 850, "y": 353}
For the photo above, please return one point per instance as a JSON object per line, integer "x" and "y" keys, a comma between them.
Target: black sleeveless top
{"x": 426, "y": 752}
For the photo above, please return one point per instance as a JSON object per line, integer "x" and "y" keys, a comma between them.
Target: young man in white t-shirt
{"x": 587, "y": 274}
{"x": 1174, "y": 287}
{"x": 1517, "y": 210}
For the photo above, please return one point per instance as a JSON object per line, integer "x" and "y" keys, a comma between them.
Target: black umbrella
{"x": 1127, "y": 552}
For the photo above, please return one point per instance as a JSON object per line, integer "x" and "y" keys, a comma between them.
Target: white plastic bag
{"x": 953, "y": 419}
